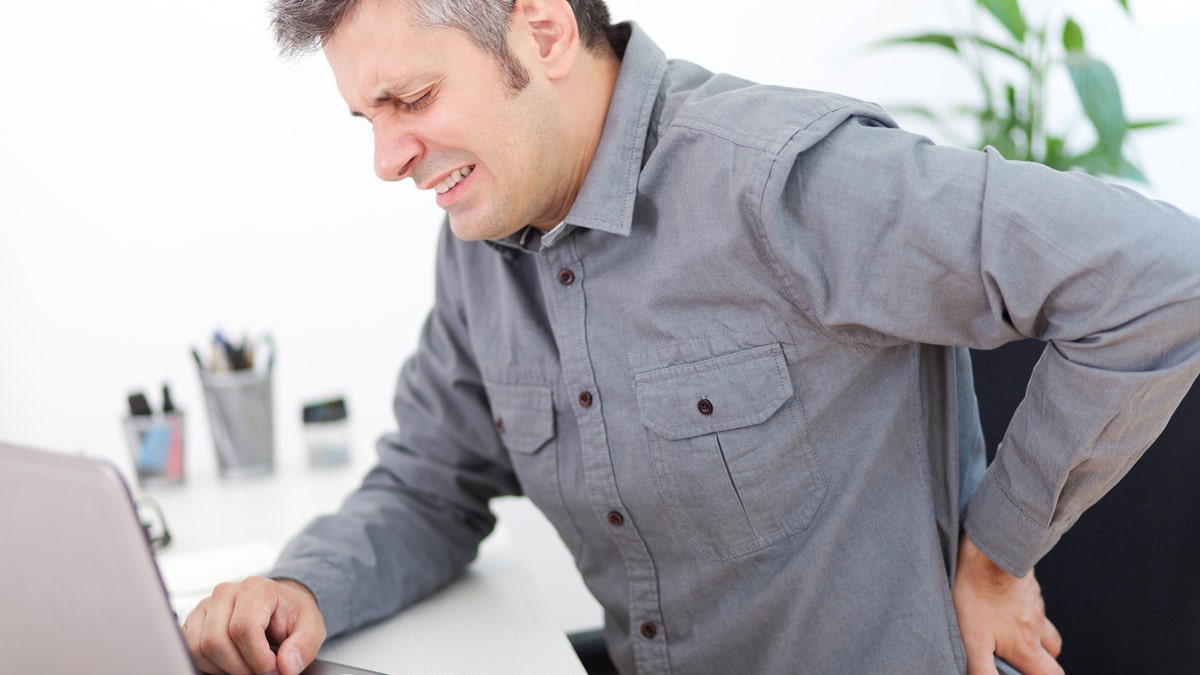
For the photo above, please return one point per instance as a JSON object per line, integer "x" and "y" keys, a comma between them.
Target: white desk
{"x": 492, "y": 620}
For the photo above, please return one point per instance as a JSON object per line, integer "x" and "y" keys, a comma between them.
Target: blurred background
{"x": 163, "y": 174}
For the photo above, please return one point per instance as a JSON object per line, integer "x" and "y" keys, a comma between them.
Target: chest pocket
{"x": 730, "y": 457}
{"x": 523, "y": 415}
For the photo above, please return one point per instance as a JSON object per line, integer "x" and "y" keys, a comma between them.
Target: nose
{"x": 396, "y": 152}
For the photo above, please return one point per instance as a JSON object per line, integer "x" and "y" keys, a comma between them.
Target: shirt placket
{"x": 564, "y": 282}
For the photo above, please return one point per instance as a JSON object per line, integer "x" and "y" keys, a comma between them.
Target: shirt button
{"x": 566, "y": 277}
{"x": 615, "y": 518}
{"x": 585, "y": 399}
{"x": 649, "y": 630}
{"x": 499, "y": 425}
{"x": 705, "y": 406}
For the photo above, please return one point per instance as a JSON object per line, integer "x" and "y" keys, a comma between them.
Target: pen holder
{"x": 239, "y": 406}
{"x": 156, "y": 443}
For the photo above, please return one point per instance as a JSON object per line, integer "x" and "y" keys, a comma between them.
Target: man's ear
{"x": 551, "y": 26}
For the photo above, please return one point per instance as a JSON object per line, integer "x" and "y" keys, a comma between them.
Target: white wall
{"x": 163, "y": 174}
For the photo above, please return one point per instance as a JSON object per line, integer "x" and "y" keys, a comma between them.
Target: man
{"x": 715, "y": 331}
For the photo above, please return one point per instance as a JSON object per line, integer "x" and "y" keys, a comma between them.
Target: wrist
{"x": 975, "y": 563}
{"x": 297, "y": 585}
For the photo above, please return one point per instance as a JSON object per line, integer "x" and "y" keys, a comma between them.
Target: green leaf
{"x": 996, "y": 46}
{"x": 1125, "y": 4}
{"x": 1095, "y": 162}
{"x": 951, "y": 42}
{"x": 1053, "y": 156}
{"x": 1008, "y": 12}
{"x": 1129, "y": 170}
{"x": 1151, "y": 124}
{"x": 1002, "y": 143}
{"x": 1101, "y": 98}
{"x": 1072, "y": 36}
{"x": 935, "y": 39}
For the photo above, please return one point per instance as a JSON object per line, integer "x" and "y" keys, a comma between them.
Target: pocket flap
{"x": 717, "y": 394}
{"x": 523, "y": 415}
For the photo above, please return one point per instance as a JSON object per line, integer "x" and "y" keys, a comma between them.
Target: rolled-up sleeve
{"x": 887, "y": 238}
{"x": 421, "y": 512}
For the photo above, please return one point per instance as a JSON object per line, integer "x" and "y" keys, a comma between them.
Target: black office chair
{"x": 593, "y": 653}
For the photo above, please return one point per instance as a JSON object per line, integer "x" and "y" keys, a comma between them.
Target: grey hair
{"x": 486, "y": 24}
{"x": 303, "y": 25}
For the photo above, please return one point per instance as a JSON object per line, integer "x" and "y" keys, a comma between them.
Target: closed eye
{"x": 403, "y": 104}
{"x": 419, "y": 103}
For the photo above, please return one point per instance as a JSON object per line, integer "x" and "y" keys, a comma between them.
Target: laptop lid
{"x": 79, "y": 590}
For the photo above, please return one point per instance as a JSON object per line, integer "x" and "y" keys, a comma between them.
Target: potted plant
{"x": 1010, "y": 57}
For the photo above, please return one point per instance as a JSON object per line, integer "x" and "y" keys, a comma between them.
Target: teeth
{"x": 453, "y": 179}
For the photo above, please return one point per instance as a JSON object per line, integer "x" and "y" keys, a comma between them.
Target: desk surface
{"x": 492, "y": 620}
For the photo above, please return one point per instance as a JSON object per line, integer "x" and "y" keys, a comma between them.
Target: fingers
{"x": 228, "y": 632}
{"x": 191, "y": 634}
{"x": 216, "y": 644}
{"x": 208, "y": 653}
{"x": 980, "y": 656}
{"x": 1035, "y": 661}
{"x": 1036, "y": 649}
{"x": 1030, "y": 657}
{"x": 1047, "y": 632}
{"x": 1051, "y": 638}
{"x": 253, "y": 607}
{"x": 1000, "y": 615}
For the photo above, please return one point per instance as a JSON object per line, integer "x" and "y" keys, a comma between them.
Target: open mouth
{"x": 449, "y": 182}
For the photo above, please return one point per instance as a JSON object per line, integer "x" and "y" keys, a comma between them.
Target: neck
{"x": 586, "y": 97}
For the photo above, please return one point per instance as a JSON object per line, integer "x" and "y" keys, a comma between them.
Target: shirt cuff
{"x": 1006, "y": 534}
{"x": 327, "y": 583}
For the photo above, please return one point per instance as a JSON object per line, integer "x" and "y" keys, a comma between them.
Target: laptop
{"x": 79, "y": 588}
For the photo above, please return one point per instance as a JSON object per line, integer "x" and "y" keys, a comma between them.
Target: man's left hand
{"x": 1002, "y": 615}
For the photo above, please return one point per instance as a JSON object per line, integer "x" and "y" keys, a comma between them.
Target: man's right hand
{"x": 233, "y": 631}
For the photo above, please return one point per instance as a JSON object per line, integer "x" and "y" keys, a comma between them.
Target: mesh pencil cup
{"x": 239, "y": 404}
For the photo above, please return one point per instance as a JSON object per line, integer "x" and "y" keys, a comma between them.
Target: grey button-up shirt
{"x": 734, "y": 380}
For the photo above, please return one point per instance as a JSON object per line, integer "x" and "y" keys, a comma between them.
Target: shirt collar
{"x": 606, "y": 200}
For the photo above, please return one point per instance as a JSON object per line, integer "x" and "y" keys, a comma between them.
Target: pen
{"x": 234, "y": 357}
{"x": 138, "y": 405}
{"x": 168, "y": 405}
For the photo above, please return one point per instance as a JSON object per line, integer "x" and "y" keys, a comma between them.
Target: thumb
{"x": 300, "y": 648}
{"x": 299, "y": 629}
{"x": 294, "y": 655}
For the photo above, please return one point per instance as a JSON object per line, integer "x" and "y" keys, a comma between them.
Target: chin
{"x": 475, "y": 231}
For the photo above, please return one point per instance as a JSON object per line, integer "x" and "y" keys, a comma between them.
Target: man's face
{"x": 443, "y": 116}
